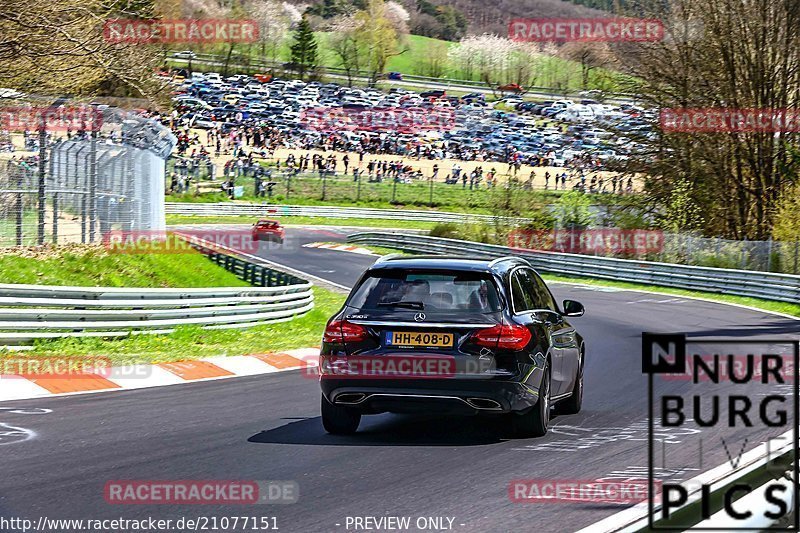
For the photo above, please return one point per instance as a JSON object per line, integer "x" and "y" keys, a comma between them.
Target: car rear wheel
{"x": 338, "y": 420}
{"x": 534, "y": 423}
{"x": 572, "y": 405}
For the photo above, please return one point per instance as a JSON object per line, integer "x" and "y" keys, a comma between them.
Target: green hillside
{"x": 425, "y": 56}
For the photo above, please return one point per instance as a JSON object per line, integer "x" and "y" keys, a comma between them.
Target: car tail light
{"x": 343, "y": 331}
{"x": 513, "y": 337}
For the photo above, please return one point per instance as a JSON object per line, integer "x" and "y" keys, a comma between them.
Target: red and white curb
{"x": 339, "y": 247}
{"x": 21, "y": 387}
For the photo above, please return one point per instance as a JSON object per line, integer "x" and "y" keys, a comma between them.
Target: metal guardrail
{"x": 266, "y": 210}
{"x": 764, "y": 285}
{"x": 253, "y": 273}
{"x": 32, "y": 312}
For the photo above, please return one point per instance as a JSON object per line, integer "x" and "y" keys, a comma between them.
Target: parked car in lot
{"x": 478, "y": 337}
{"x": 268, "y": 230}
{"x": 231, "y": 98}
{"x": 207, "y": 100}
{"x": 474, "y": 96}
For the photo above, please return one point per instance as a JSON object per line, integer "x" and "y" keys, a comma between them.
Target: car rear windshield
{"x": 432, "y": 291}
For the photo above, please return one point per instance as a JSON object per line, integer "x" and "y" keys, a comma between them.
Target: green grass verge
{"x": 418, "y": 54}
{"x": 96, "y": 266}
{"x": 342, "y": 191}
{"x": 306, "y": 221}
{"x": 193, "y": 342}
{"x": 30, "y": 226}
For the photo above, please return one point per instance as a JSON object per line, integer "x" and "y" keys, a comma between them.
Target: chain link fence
{"x": 767, "y": 256}
{"x": 195, "y": 175}
{"x": 64, "y": 186}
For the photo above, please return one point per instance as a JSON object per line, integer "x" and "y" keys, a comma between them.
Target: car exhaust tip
{"x": 484, "y": 404}
{"x": 350, "y": 398}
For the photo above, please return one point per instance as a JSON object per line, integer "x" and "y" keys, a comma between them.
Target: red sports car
{"x": 268, "y": 230}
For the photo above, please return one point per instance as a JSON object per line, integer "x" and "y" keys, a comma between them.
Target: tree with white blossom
{"x": 343, "y": 43}
{"x": 274, "y": 20}
{"x": 495, "y": 60}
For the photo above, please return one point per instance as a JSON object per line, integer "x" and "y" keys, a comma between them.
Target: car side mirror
{"x": 573, "y": 308}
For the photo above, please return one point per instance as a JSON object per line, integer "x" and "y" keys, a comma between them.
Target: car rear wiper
{"x": 410, "y": 305}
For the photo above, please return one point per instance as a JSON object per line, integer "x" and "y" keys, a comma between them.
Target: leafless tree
{"x": 735, "y": 54}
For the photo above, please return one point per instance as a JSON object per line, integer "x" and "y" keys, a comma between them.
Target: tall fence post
{"x": 20, "y": 169}
{"x": 93, "y": 182}
{"x": 52, "y": 172}
{"x": 55, "y": 218}
{"x": 83, "y": 218}
{"x": 42, "y": 174}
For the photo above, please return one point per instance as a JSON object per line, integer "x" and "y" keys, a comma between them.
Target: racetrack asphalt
{"x": 55, "y": 460}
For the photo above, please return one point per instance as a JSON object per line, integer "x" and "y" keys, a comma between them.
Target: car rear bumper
{"x": 269, "y": 237}
{"x": 456, "y": 396}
